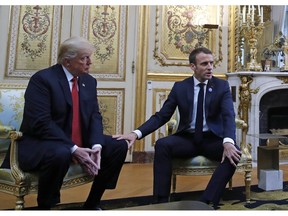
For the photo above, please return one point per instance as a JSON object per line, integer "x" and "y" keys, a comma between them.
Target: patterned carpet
{"x": 232, "y": 200}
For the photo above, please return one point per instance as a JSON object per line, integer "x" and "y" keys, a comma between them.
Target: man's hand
{"x": 82, "y": 155}
{"x": 131, "y": 137}
{"x": 96, "y": 157}
{"x": 232, "y": 153}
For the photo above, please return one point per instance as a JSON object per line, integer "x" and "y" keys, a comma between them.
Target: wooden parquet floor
{"x": 134, "y": 180}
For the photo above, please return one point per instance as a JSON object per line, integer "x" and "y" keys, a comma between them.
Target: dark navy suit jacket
{"x": 48, "y": 113}
{"x": 219, "y": 110}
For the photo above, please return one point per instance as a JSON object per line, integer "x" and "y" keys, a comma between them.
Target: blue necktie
{"x": 198, "y": 135}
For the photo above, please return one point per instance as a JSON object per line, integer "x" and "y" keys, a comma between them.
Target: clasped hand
{"x": 89, "y": 159}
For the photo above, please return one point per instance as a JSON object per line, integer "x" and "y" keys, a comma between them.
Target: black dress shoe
{"x": 41, "y": 207}
{"x": 160, "y": 199}
{"x": 94, "y": 208}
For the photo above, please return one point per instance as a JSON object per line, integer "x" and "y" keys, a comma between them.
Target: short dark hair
{"x": 195, "y": 52}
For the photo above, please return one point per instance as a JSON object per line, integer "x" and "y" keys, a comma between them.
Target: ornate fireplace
{"x": 261, "y": 99}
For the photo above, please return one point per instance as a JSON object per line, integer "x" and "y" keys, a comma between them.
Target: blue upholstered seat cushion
{"x": 198, "y": 162}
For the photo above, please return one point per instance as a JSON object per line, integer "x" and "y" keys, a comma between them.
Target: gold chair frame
{"x": 184, "y": 167}
{"x": 15, "y": 182}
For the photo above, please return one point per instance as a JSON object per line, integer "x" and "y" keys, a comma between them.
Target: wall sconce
{"x": 211, "y": 26}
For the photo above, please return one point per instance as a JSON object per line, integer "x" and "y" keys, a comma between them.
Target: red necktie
{"x": 76, "y": 128}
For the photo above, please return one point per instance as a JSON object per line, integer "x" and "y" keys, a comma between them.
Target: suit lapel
{"x": 82, "y": 89}
{"x": 209, "y": 94}
{"x": 65, "y": 85}
{"x": 190, "y": 96}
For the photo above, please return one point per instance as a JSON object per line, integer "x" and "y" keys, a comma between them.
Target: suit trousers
{"x": 181, "y": 145}
{"x": 55, "y": 162}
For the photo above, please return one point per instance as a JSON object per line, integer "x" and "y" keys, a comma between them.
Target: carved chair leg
{"x": 248, "y": 186}
{"x": 19, "y": 203}
{"x": 173, "y": 183}
{"x": 171, "y": 198}
{"x": 230, "y": 184}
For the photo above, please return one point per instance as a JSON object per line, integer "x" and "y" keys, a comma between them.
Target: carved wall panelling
{"x": 179, "y": 29}
{"x": 176, "y": 77}
{"x": 34, "y": 39}
{"x": 105, "y": 27}
{"x": 111, "y": 104}
{"x": 159, "y": 97}
{"x": 112, "y": 31}
{"x": 141, "y": 71}
{"x": 153, "y": 38}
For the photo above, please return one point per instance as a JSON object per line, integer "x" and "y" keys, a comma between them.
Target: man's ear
{"x": 192, "y": 66}
{"x": 66, "y": 62}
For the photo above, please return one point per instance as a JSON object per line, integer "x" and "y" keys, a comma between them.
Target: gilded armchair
{"x": 14, "y": 181}
{"x": 18, "y": 183}
{"x": 201, "y": 165}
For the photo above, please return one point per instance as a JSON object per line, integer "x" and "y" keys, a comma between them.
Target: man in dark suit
{"x": 216, "y": 139}
{"x": 48, "y": 146}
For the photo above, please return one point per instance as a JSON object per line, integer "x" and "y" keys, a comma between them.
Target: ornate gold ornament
{"x": 245, "y": 97}
{"x": 285, "y": 51}
{"x": 104, "y": 29}
{"x": 182, "y": 28}
{"x": 252, "y": 29}
{"x": 36, "y": 23}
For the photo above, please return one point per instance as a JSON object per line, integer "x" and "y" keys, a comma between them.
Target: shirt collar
{"x": 69, "y": 76}
{"x": 196, "y": 82}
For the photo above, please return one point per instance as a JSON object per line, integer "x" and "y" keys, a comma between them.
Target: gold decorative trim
{"x": 111, "y": 43}
{"x": 12, "y": 86}
{"x": 117, "y": 112}
{"x": 195, "y": 34}
{"x": 159, "y": 96}
{"x": 141, "y": 68}
{"x": 175, "y": 77}
{"x": 41, "y": 47}
{"x": 245, "y": 98}
{"x": 7, "y": 188}
{"x": 233, "y": 39}
{"x": 283, "y": 78}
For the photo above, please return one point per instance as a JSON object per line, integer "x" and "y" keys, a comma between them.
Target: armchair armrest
{"x": 16, "y": 172}
{"x": 171, "y": 126}
{"x": 5, "y": 131}
{"x": 244, "y": 146}
{"x": 240, "y": 123}
{"x": 4, "y": 139}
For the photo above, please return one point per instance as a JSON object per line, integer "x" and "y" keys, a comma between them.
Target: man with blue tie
{"x": 207, "y": 127}
{"x": 62, "y": 123}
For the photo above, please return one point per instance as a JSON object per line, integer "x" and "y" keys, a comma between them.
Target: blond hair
{"x": 71, "y": 47}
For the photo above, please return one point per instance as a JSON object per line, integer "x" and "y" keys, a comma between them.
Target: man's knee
{"x": 113, "y": 145}
{"x": 60, "y": 155}
{"x": 162, "y": 143}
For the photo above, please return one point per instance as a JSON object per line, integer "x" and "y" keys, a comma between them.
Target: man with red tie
{"x": 62, "y": 123}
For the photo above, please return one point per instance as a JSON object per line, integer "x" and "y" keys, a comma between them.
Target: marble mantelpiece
{"x": 263, "y": 82}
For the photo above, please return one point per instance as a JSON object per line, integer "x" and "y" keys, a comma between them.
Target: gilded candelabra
{"x": 252, "y": 29}
{"x": 285, "y": 51}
